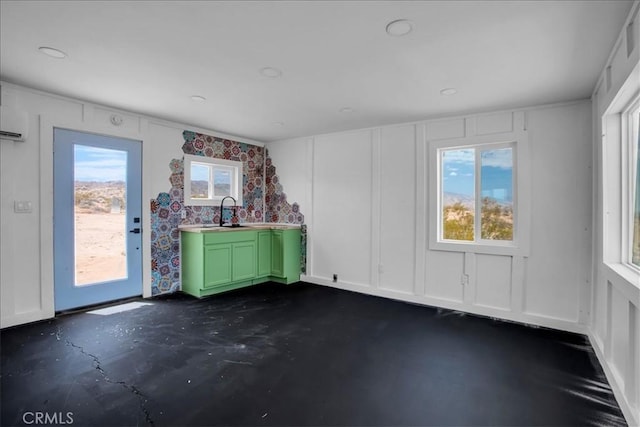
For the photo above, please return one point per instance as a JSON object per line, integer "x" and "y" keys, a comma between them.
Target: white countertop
{"x": 207, "y": 228}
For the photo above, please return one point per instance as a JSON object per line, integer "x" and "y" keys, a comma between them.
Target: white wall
{"x": 340, "y": 211}
{"x": 615, "y": 323}
{"x": 26, "y": 173}
{"x": 366, "y": 207}
{"x": 295, "y": 190}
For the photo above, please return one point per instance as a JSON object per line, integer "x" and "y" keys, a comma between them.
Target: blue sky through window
{"x": 458, "y": 173}
{"x": 94, "y": 164}
{"x": 497, "y": 174}
{"x": 200, "y": 172}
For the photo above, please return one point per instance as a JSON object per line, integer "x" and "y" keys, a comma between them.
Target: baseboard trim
{"x": 24, "y": 318}
{"x": 507, "y": 315}
{"x": 631, "y": 418}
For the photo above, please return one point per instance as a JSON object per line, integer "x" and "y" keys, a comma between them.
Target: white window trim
{"x": 629, "y": 161}
{"x": 236, "y": 182}
{"x": 521, "y": 199}
{"x": 612, "y": 143}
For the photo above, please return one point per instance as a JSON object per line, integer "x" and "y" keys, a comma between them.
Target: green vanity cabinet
{"x": 218, "y": 261}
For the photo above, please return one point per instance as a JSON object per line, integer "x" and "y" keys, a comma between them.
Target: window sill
{"x": 507, "y": 250}
{"x": 629, "y": 277}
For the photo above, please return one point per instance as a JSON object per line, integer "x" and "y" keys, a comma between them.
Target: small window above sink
{"x": 207, "y": 180}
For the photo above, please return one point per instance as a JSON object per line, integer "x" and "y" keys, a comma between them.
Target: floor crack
{"x": 142, "y": 399}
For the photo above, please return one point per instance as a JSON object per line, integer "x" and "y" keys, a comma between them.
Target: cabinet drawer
{"x": 216, "y": 237}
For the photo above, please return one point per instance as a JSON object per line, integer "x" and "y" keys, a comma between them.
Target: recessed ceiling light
{"x": 449, "y": 91}
{"x": 278, "y": 123}
{"x": 198, "y": 98}
{"x": 346, "y": 110}
{"x": 52, "y": 52}
{"x": 399, "y": 27}
{"x": 270, "y": 72}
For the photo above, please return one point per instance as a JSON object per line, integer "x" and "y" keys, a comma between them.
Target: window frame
{"x": 235, "y": 167}
{"x": 518, "y": 141}
{"x": 629, "y": 172}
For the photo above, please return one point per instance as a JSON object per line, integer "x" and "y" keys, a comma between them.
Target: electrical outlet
{"x": 335, "y": 277}
{"x": 183, "y": 214}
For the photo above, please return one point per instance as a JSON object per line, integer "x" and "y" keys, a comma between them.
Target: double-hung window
{"x": 207, "y": 180}
{"x": 621, "y": 185}
{"x": 478, "y": 196}
{"x": 633, "y": 124}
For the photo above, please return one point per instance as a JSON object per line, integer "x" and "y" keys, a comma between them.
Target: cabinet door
{"x": 244, "y": 261}
{"x": 291, "y": 255}
{"x": 217, "y": 265}
{"x": 277, "y": 261}
{"x": 264, "y": 253}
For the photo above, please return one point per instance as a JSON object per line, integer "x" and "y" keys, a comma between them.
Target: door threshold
{"x": 98, "y": 306}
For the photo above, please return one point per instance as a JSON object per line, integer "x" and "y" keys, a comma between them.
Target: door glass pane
{"x": 496, "y": 186}
{"x": 200, "y": 181}
{"x": 222, "y": 182}
{"x": 100, "y": 221}
{"x": 458, "y": 194}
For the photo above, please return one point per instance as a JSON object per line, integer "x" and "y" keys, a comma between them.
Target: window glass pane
{"x": 222, "y": 182}
{"x": 100, "y": 192}
{"x": 496, "y": 186}
{"x": 200, "y": 181}
{"x": 635, "y": 252}
{"x": 458, "y": 194}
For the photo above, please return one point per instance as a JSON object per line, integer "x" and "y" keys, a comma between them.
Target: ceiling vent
{"x": 13, "y": 124}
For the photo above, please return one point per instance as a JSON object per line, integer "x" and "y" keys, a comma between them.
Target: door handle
{"x": 135, "y": 231}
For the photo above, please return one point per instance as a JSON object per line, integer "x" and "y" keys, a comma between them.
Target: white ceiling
{"x": 151, "y": 56}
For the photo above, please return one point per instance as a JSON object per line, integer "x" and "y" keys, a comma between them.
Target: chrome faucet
{"x": 221, "y": 207}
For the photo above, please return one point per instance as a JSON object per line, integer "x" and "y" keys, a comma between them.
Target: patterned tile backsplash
{"x": 278, "y": 208}
{"x": 262, "y": 194}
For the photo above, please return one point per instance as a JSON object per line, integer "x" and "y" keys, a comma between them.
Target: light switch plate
{"x": 22, "y": 206}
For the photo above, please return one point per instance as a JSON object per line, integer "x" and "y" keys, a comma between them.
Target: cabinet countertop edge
{"x": 198, "y": 228}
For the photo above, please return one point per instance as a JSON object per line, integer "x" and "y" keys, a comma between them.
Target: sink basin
{"x": 233, "y": 226}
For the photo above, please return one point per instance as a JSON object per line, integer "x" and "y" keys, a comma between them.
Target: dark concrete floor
{"x": 299, "y": 355}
